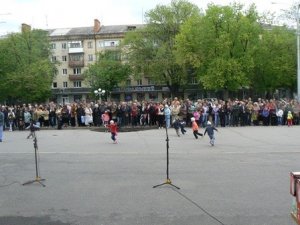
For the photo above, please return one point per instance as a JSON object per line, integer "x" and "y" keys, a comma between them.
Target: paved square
{"x": 242, "y": 180}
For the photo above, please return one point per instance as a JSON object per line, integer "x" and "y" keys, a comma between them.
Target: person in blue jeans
{"x": 167, "y": 113}
{"x": 210, "y": 132}
{"x": 1, "y": 125}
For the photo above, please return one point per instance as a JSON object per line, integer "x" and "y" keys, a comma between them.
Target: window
{"x": 76, "y": 44}
{"x": 52, "y": 46}
{"x": 54, "y": 84}
{"x": 65, "y": 71}
{"x": 76, "y": 57}
{"x": 65, "y": 84}
{"x": 90, "y": 57}
{"x": 139, "y": 82}
{"x": 150, "y": 81}
{"x": 77, "y": 84}
{"x": 108, "y": 43}
{"x": 53, "y": 59}
{"x": 64, "y": 58}
{"x": 90, "y": 44}
{"x": 64, "y": 45}
{"x": 194, "y": 80}
{"x": 77, "y": 71}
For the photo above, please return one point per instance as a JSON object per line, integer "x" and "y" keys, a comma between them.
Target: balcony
{"x": 76, "y": 77}
{"x": 76, "y": 50}
{"x": 74, "y": 64}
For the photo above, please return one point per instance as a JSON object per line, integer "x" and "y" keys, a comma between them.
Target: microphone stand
{"x": 168, "y": 180}
{"x": 37, "y": 179}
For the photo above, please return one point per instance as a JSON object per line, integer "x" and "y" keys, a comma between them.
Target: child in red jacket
{"x": 112, "y": 126}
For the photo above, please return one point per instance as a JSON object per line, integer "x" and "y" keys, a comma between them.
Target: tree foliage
{"x": 26, "y": 72}
{"x": 275, "y": 60}
{"x": 151, "y": 49}
{"x": 219, "y": 45}
{"x": 109, "y": 71}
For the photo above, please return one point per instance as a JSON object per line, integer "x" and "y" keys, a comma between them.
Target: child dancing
{"x": 210, "y": 132}
{"x": 112, "y": 126}
{"x": 195, "y": 128}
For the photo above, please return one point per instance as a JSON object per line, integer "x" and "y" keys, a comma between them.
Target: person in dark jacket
{"x": 1, "y": 124}
{"x": 210, "y": 132}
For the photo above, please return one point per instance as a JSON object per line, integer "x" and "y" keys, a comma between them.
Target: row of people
{"x": 221, "y": 113}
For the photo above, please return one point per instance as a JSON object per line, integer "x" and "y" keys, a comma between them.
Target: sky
{"x": 49, "y": 14}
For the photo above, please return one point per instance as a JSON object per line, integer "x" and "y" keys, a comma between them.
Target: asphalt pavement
{"x": 242, "y": 180}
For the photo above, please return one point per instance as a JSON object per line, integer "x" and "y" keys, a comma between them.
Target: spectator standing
{"x": 80, "y": 115}
{"x": 20, "y": 117}
{"x": 105, "y": 118}
{"x": 167, "y": 113}
{"x": 11, "y": 118}
{"x": 160, "y": 115}
{"x": 73, "y": 114}
{"x": 289, "y": 118}
{"x": 279, "y": 114}
{"x": 222, "y": 114}
{"x": 1, "y": 125}
{"x": 175, "y": 110}
{"x": 46, "y": 113}
{"x": 5, "y": 112}
{"x": 65, "y": 115}
{"x": 58, "y": 113}
{"x": 52, "y": 116}
{"x": 134, "y": 114}
{"x": 88, "y": 115}
{"x": 266, "y": 116}
{"x": 27, "y": 117}
{"x": 215, "y": 113}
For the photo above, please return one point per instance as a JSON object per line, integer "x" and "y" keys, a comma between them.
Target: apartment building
{"x": 75, "y": 48}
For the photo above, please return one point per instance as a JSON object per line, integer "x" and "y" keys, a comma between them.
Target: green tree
{"x": 26, "y": 72}
{"x": 275, "y": 61}
{"x": 150, "y": 50}
{"x": 219, "y": 46}
{"x": 108, "y": 71}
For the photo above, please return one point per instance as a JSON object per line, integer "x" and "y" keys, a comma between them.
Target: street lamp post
{"x": 298, "y": 54}
{"x": 99, "y": 92}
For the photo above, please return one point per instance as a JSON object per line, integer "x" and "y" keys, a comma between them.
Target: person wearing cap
{"x": 210, "y": 132}
{"x": 112, "y": 126}
{"x": 195, "y": 128}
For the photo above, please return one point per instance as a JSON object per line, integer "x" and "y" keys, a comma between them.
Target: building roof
{"x": 113, "y": 29}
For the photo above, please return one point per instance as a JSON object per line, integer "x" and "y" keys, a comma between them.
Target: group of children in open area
{"x": 178, "y": 125}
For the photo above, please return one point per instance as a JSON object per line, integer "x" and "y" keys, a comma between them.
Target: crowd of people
{"x": 232, "y": 112}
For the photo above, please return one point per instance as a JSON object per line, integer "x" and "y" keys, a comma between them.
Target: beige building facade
{"x": 75, "y": 48}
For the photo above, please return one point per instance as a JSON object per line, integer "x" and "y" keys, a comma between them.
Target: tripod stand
{"x": 37, "y": 177}
{"x": 168, "y": 180}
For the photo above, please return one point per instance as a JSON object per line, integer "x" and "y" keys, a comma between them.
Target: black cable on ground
{"x": 6, "y": 185}
{"x": 199, "y": 207}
